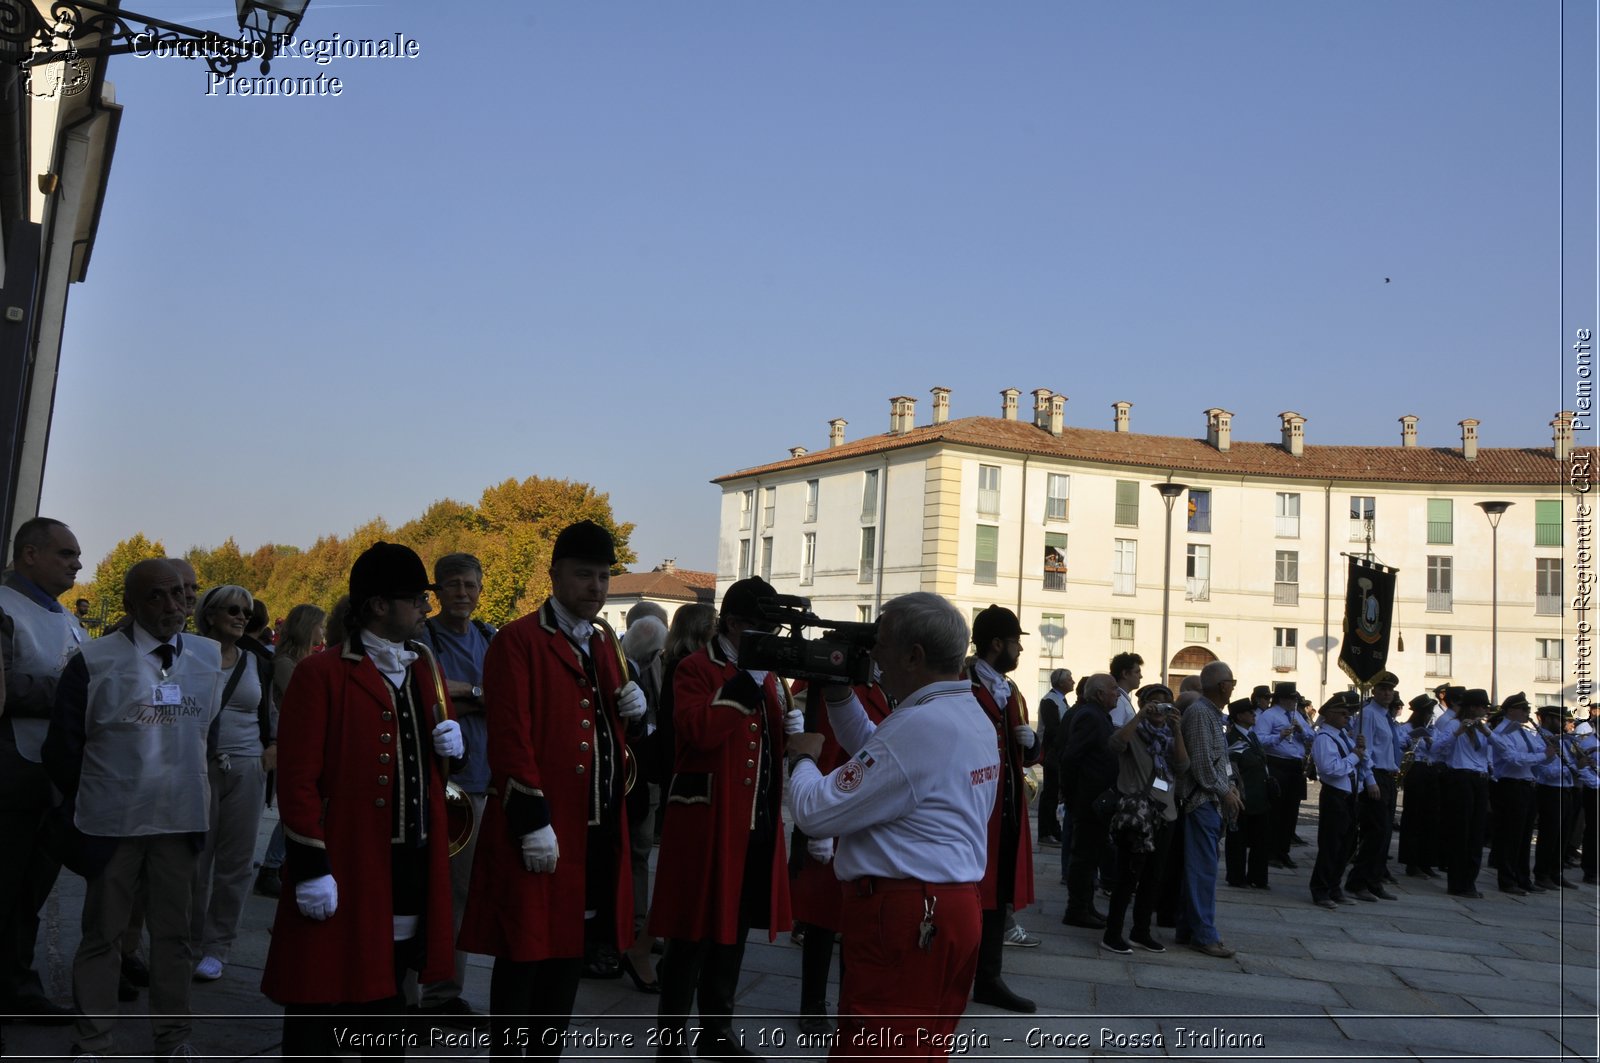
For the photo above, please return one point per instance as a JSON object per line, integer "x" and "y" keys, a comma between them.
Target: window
{"x": 812, "y": 488}
{"x": 766, "y": 558}
{"x": 1284, "y": 643}
{"x": 1438, "y": 662}
{"x": 1441, "y": 524}
{"x": 1122, "y": 634}
{"x": 869, "y": 495}
{"x": 869, "y": 552}
{"x": 747, "y": 504}
{"x": 1197, "y": 632}
{"x": 1441, "y": 584}
{"x": 808, "y": 557}
{"x": 986, "y": 558}
{"x": 744, "y": 558}
{"x": 1547, "y": 523}
{"x": 989, "y": 490}
{"x": 1124, "y": 566}
{"x": 1127, "y": 504}
{"x": 1286, "y": 510}
{"x": 1547, "y": 661}
{"x": 1363, "y": 515}
{"x": 1542, "y": 700}
{"x": 1055, "y": 561}
{"x": 1547, "y": 586}
{"x": 1044, "y": 685}
{"x": 1199, "y": 511}
{"x": 1198, "y": 573}
{"x": 1052, "y": 629}
{"x": 1286, "y": 577}
{"x": 1056, "y": 496}
{"x": 769, "y": 506}
{"x": 863, "y": 614}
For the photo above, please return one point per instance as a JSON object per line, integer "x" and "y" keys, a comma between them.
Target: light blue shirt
{"x": 1373, "y": 722}
{"x": 1273, "y": 720}
{"x": 1338, "y": 766}
{"x": 1514, "y": 751}
{"x": 1450, "y": 750}
{"x": 1560, "y": 770}
{"x": 1441, "y": 723}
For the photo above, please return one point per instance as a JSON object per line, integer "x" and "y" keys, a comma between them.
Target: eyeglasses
{"x": 421, "y": 601}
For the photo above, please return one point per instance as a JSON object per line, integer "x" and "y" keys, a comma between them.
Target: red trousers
{"x": 897, "y": 999}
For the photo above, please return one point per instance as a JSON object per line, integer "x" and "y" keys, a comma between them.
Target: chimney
{"x": 1119, "y": 420}
{"x": 1408, "y": 430}
{"x": 1294, "y": 432}
{"x": 1041, "y": 407}
{"x": 836, "y": 432}
{"x": 1469, "y": 439}
{"x": 797, "y": 452}
{"x": 1563, "y": 434}
{"x": 1058, "y": 412}
{"x": 941, "y": 405}
{"x": 669, "y": 565}
{"x": 896, "y": 414}
{"x": 1008, "y": 403}
{"x": 1219, "y": 429}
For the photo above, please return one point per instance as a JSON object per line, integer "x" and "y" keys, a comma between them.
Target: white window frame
{"x": 769, "y": 506}
{"x": 1197, "y": 572}
{"x": 869, "y": 496}
{"x": 1358, "y": 525}
{"x": 869, "y": 555}
{"x": 1438, "y": 650}
{"x": 747, "y": 505}
{"x": 1124, "y": 566}
{"x": 1547, "y": 660}
{"x": 1285, "y": 649}
{"x": 766, "y": 558}
{"x": 1286, "y": 577}
{"x": 808, "y": 557}
{"x": 1441, "y": 583}
{"x": 988, "y": 490}
{"x": 1286, "y": 515}
{"x": 1548, "y": 581}
{"x": 813, "y": 489}
{"x": 1057, "y": 496}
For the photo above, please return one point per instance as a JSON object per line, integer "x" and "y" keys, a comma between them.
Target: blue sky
{"x": 645, "y": 244}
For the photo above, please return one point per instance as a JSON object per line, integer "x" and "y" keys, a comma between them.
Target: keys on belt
{"x": 926, "y": 930}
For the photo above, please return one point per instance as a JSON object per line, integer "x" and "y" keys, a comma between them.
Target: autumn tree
{"x": 105, "y": 593}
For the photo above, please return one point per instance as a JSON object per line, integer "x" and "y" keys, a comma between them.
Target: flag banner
{"x": 1368, "y": 616}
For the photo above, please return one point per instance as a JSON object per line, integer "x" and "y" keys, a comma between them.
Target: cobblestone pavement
{"x": 1427, "y": 976}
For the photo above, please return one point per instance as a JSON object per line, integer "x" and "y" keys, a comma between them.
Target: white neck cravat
{"x": 993, "y": 682}
{"x": 576, "y": 629}
{"x": 391, "y": 658}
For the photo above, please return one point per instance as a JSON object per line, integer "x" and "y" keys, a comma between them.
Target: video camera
{"x": 841, "y": 654}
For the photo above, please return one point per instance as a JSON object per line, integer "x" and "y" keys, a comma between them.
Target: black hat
{"x": 1262, "y": 691}
{"x": 1519, "y": 700}
{"x": 995, "y": 622}
{"x": 1422, "y": 703}
{"x": 584, "y": 541}
{"x": 388, "y": 570}
{"x": 1441, "y": 688}
{"x": 742, "y": 601}
{"x": 1283, "y": 690}
{"x": 1555, "y": 710}
{"x": 1454, "y": 694}
{"x": 1476, "y": 697}
{"x": 1241, "y": 705}
{"x": 1385, "y": 679}
{"x": 1342, "y": 699}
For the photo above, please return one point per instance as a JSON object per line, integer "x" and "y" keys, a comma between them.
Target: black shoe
{"x": 997, "y": 995}
{"x": 815, "y": 1025}
{"x": 1325, "y": 902}
{"x": 268, "y": 883}
{"x": 1112, "y": 943}
{"x": 1469, "y": 894}
{"x": 1533, "y": 887}
{"x": 1295, "y": 839}
{"x": 1145, "y": 940}
{"x": 127, "y": 992}
{"x": 724, "y": 1043}
{"x": 1090, "y": 920}
{"x": 134, "y": 970}
{"x": 1238, "y": 885}
{"x": 454, "y": 1012}
{"x": 1284, "y": 863}
{"x": 39, "y": 1011}
{"x": 1515, "y": 891}
{"x": 630, "y": 969}
{"x": 1345, "y": 898}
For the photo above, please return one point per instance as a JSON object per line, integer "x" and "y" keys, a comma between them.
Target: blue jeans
{"x": 1197, "y": 916}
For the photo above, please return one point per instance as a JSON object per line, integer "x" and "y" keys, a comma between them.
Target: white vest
{"x": 144, "y": 765}
{"x": 42, "y": 643}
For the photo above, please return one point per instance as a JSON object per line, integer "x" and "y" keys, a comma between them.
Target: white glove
{"x": 630, "y": 701}
{"x": 447, "y": 740}
{"x": 540, "y": 851}
{"x": 821, "y": 849}
{"x": 318, "y": 898}
{"x": 1023, "y": 734}
{"x": 794, "y": 722}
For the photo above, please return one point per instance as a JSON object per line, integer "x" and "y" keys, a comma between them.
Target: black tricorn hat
{"x": 584, "y": 541}
{"x": 995, "y": 622}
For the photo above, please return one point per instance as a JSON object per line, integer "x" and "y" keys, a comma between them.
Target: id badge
{"x": 1160, "y": 784}
{"x": 166, "y": 694}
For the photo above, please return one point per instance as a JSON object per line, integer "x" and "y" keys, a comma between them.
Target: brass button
{"x": 380, "y": 802}
{"x": 383, "y": 780}
{"x": 583, "y": 746}
{"x": 383, "y": 758}
{"x": 747, "y": 782}
{"x": 752, "y": 745}
{"x": 754, "y": 726}
{"x": 388, "y": 715}
{"x": 386, "y": 739}
{"x": 581, "y": 769}
{"x": 583, "y": 682}
{"x": 584, "y": 724}
{"x": 749, "y": 763}
{"x": 584, "y": 704}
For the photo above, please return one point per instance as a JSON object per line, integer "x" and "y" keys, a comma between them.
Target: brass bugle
{"x": 630, "y": 768}
{"x": 461, "y": 819}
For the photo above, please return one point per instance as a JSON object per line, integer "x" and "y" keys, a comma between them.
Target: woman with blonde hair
{"x": 238, "y": 769}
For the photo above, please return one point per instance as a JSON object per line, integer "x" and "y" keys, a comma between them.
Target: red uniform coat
{"x": 542, "y": 716}
{"x": 710, "y": 804}
{"x": 335, "y": 763}
{"x": 1012, "y": 758}
{"x": 814, "y": 890}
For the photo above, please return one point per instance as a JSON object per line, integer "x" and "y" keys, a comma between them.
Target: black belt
{"x": 1382, "y": 771}
{"x": 1468, "y": 772}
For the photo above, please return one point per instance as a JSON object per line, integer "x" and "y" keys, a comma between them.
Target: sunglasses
{"x": 231, "y": 610}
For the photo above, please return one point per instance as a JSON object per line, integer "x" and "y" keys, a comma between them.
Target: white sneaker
{"x": 1020, "y": 938}
{"x": 208, "y": 969}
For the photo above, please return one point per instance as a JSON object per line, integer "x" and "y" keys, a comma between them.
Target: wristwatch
{"x": 477, "y": 693}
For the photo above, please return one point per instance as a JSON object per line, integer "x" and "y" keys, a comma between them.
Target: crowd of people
{"x": 445, "y": 788}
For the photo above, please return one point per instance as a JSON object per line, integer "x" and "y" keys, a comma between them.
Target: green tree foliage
{"x": 511, "y": 530}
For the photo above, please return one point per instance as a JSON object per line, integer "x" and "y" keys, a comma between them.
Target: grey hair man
{"x": 1209, "y": 799}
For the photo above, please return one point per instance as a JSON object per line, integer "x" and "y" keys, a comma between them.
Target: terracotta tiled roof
{"x": 1396, "y": 464}
{"x": 680, "y": 584}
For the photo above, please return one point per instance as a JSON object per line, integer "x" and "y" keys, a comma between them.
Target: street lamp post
{"x": 1169, "y": 493}
{"x": 1494, "y": 511}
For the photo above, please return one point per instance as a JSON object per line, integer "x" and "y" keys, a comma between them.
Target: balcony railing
{"x": 1122, "y": 583}
{"x": 1547, "y": 670}
{"x": 1440, "y": 601}
{"x": 1441, "y": 532}
{"x": 1283, "y": 658}
{"x": 1286, "y": 594}
{"x": 1197, "y": 589}
{"x": 1547, "y": 604}
{"x": 1437, "y": 664}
